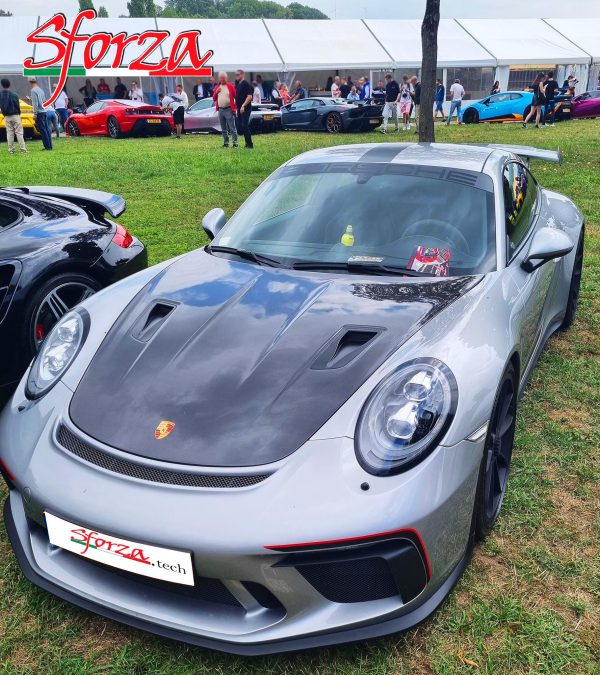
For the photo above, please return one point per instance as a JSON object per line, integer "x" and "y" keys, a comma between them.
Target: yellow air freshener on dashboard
{"x": 348, "y": 237}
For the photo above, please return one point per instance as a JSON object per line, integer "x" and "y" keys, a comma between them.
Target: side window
{"x": 95, "y": 107}
{"x": 520, "y": 193}
{"x": 501, "y": 98}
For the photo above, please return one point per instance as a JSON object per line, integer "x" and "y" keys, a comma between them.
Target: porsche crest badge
{"x": 163, "y": 429}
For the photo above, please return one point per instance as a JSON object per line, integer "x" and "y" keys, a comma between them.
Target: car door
{"x": 298, "y": 114}
{"x": 497, "y": 107}
{"x": 92, "y": 120}
{"x": 202, "y": 116}
{"x": 522, "y": 202}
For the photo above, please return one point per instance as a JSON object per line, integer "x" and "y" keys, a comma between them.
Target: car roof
{"x": 468, "y": 157}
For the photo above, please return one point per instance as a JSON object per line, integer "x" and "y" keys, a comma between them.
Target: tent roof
{"x": 402, "y": 39}
{"x": 585, "y": 33}
{"x": 13, "y": 47}
{"x": 523, "y": 41}
{"x": 326, "y": 45}
{"x": 236, "y": 43}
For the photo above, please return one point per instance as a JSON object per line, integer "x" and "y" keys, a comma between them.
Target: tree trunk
{"x": 429, "y": 32}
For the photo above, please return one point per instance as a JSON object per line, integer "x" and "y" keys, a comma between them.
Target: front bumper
{"x": 237, "y": 536}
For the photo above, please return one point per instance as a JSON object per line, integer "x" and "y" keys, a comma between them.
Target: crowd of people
{"x": 233, "y": 101}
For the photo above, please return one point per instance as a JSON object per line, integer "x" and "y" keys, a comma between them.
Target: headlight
{"x": 405, "y": 416}
{"x": 57, "y": 352}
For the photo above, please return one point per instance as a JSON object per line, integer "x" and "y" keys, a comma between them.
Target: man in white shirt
{"x": 62, "y": 107}
{"x": 256, "y": 94}
{"x": 335, "y": 87}
{"x": 177, "y": 102}
{"x": 456, "y": 94}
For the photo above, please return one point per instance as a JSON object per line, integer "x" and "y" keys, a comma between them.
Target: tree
{"x": 102, "y": 12}
{"x": 140, "y": 8}
{"x": 5, "y": 13}
{"x": 429, "y": 42}
{"x": 239, "y": 9}
{"x": 297, "y": 11}
{"x": 85, "y": 4}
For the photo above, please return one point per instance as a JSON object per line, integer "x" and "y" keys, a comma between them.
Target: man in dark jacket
{"x": 243, "y": 102}
{"x": 11, "y": 109}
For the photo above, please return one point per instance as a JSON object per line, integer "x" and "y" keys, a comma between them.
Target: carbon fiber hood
{"x": 248, "y": 362}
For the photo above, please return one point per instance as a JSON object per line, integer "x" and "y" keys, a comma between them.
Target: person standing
{"x": 198, "y": 90}
{"x": 243, "y": 103}
{"x": 416, "y": 97}
{"x": 89, "y": 93}
{"x": 365, "y": 89}
{"x": 256, "y": 95}
{"x": 284, "y": 93}
{"x": 120, "y": 90}
{"x": 275, "y": 95}
{"x": 537, "y": 102}
{"x": 224, "y": 97}
{"x": 406, "y": 101}
{"x": 179, "y": 106}
{"x": 353, "y": 95}
{"x": 345, "y": 88}
{"x": 62, "y": 108}
{"x": 390, "y": 109}
{"x": 457, "y": 93}
{"x": 136, "y": 93}
{"x": 379, "y": 93}
{"x": 335, "y": 87}
{"x": 10, "y": 107}
{"x": 550, "y": 89}
{"x": 299, "y": 92}
{"x": 440, "y": 97}
{"x": 264, "y": 94}
{"x": 38, "y": 99}
{"x": 53, "y": 123}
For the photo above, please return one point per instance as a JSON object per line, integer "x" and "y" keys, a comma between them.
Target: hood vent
{"x": 345, "y": 346}
{"x": 151, "y": 320}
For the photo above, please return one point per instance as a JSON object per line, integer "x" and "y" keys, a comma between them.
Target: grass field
{"x": 530, "y": 600}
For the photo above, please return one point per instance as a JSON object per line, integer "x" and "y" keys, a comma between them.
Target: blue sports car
{"x": 503, "y": 107}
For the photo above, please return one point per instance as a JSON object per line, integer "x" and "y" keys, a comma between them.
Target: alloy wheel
{"x": 57, "y": 303}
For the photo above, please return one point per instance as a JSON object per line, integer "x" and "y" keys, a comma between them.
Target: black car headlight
{"x": 405, "y": 416}
{"x": 59, "y": 349}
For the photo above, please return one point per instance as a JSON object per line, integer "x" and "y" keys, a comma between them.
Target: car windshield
{"x": 393, "y": 215}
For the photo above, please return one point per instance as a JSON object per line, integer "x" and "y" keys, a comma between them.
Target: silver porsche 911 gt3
{"x": 291, "y": 437}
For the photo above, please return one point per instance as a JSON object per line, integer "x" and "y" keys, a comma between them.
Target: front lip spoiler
{"x": 376, "y": 630}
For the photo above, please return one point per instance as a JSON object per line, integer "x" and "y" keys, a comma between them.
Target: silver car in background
{"x": 203, "y": 116}
{"x": 293, "y": 436}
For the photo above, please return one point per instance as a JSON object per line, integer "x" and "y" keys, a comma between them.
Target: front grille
{"x": 351, "y": 580}
{"x": 89, "y": 453}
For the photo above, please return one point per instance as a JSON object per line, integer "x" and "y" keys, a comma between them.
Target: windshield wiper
{"x": 367, "y": 267}
{"x": 257, "y": 258}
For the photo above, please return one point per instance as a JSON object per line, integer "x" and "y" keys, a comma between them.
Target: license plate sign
{"x": 374, "y": 121}
{"x": 268, "y": 117}
{"x": 143, "y": 559}
{"x": 154, "y": 121}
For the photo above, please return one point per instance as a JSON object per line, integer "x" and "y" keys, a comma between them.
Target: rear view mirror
{"x": 213, "y": 222}
{"x": 547, "y": 244}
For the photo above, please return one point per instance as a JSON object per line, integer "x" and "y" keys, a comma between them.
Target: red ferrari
{"x": 119, "y": 117}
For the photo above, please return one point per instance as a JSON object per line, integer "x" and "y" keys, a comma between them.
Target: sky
{"x": 363, "y": 9}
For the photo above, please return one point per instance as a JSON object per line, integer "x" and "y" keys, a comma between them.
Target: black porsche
{"x": 57, "y": 247}
{"x": 321, "y": 113}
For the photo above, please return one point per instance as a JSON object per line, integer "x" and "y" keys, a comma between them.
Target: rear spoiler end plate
{"x": 113, "y": 204}
{"x": 527, "y": 152}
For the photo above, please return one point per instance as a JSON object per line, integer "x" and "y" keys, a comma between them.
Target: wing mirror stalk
{"x": 547, "y": 244}
{"x": 213, "y": 222}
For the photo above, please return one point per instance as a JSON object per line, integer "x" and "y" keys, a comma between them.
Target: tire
{"x": 113, "y": 127}
{"x": 50, "y": 301}
{"x": 72, "y": 128}
{"x": 497, "y": 454}
{"x": 333, "y": 123}
{"x": 573, "y": 299}
{"x": 471, "y": 116}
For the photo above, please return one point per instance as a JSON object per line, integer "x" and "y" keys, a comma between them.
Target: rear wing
{"x": 527, "y": 152}
{"x": 111, "y": 203}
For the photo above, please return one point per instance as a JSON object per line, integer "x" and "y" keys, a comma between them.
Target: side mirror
{"x": 213, "y": 222}
{"x": 547, "y": 244}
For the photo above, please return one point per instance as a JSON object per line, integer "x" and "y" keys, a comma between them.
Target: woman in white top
{"x": 136, "y": 93}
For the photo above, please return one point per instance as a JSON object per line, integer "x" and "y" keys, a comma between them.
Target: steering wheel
{"x": 430, "y": 227}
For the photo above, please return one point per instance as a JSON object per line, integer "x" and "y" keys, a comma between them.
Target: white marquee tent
{"x": 323, "y": 48}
